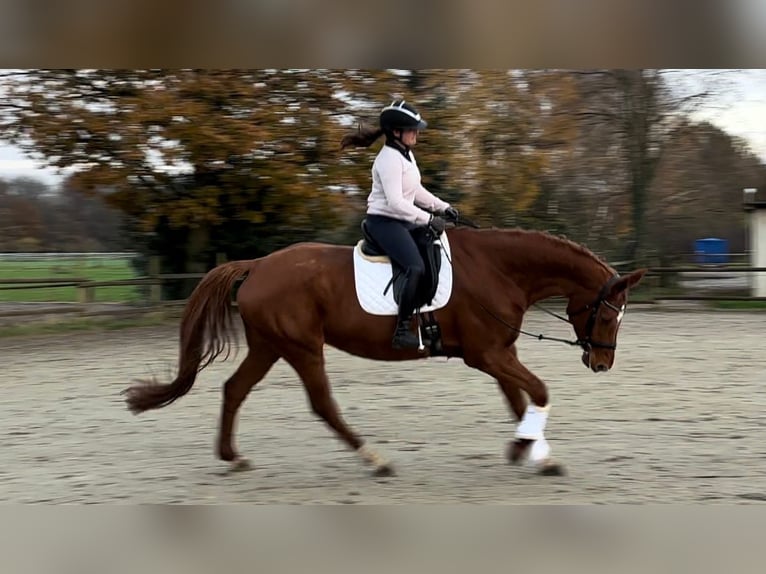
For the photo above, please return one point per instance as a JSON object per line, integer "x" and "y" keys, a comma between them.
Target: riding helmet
{"x": 400, "y": 115}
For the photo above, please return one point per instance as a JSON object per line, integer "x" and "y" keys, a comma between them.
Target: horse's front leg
{"x": 518, "y": 450}
{"x": 513, "y": 377}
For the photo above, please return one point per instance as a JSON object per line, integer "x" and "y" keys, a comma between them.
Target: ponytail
{"x": 363, "y": 137}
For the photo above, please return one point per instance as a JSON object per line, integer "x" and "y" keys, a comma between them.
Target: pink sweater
{"x": 397, "y": 191}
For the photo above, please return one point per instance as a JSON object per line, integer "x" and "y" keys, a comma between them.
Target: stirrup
{"x": 403, "y": 337}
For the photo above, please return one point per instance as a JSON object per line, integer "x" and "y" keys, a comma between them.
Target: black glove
{"x": 451, "y": 213}
{"x": 437, "y": 224}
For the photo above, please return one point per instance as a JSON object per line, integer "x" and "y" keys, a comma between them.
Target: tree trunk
{"x": 196, "y": 256}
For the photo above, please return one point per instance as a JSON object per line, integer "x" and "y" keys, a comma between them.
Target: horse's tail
{"x": 206, "y": 332}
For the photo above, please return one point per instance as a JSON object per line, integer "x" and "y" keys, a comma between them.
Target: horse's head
{"x": 596, "y": 318}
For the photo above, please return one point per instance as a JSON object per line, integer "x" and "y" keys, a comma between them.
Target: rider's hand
{"x": 451, "y": 213}
{"x": 437, "y": 224}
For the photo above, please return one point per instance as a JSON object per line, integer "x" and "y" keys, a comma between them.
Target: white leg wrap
{"x": 539, "y": 451}
{"x": 533, "y": 423}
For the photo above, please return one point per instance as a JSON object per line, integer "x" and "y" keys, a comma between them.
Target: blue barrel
{"x": 711, "y": 250}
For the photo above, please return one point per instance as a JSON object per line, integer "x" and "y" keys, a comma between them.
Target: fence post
{"x": 155, "y": 288}
{"x": 85, "y": 294}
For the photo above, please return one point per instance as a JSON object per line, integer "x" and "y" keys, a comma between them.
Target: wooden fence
{"x": 722, "y": 283}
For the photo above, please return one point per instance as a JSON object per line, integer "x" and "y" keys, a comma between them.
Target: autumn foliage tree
{"x": 239, "y": 162}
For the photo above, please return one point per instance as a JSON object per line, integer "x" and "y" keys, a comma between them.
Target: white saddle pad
{"x": 372, "y": 274}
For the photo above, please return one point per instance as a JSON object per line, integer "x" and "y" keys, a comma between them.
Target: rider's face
{"x": 409, "y": 137}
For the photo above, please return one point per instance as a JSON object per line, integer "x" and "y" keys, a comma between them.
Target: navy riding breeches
{"x": 393, "y": 236}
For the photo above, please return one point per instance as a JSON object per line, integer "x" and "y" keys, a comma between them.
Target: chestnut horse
{"x": 294, "y": 301}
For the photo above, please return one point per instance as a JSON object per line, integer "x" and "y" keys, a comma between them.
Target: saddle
{"x": 429, "y": 250}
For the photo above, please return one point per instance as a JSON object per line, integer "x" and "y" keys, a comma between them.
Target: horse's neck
{"x": 545, "y": 266}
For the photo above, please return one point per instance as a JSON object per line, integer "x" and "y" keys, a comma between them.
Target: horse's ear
{"x": 628, "y": 281}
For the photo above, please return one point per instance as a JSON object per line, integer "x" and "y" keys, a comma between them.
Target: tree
{"x": 632, "y": 111}
{"x": 697, "y": 190}
{"x": 505, "y": 145}
{"x": 20, "y": 215}
{"x": 34, "y": 217}
{"x": 236, "y": 161}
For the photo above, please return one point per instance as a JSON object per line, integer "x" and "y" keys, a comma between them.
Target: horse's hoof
{"x": 518, "y": 450}
{"x": 384, "y": 470}
{"x": 240, "y": 464}
{"x": 552, "y": 469}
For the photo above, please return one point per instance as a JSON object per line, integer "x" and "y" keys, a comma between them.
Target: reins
{"x": 585, "y": 344}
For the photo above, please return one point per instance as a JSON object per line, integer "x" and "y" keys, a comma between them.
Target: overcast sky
{"x": 739, "y": 110}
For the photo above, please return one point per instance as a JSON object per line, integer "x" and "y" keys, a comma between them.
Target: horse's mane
{"x": 553, "y": 238}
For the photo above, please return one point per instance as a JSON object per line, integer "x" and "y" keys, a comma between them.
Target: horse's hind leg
{"x": 258, "y": 362}
{"x": 310, "y": 367}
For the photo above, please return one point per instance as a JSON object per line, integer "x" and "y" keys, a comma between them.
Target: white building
{"x": 755, "y": 208}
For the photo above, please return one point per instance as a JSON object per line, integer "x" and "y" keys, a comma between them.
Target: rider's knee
{"x": 416, "y": 269}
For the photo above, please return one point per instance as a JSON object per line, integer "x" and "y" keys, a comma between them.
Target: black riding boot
{"x": 404, "y": 338}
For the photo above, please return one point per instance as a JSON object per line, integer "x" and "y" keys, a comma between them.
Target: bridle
{"x": 587, "y": 343}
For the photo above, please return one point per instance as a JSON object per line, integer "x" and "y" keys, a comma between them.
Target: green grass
{"x": 55, "y": 268}
{"x": 750, "y": 305}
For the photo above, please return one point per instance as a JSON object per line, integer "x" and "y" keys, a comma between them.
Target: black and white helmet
{"x": 401, "y": 116}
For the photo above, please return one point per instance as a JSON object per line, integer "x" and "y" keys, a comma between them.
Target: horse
{"x": 294, "y": 301}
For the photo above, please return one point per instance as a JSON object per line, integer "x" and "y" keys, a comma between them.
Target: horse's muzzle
{"x": 596, "y": 367}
